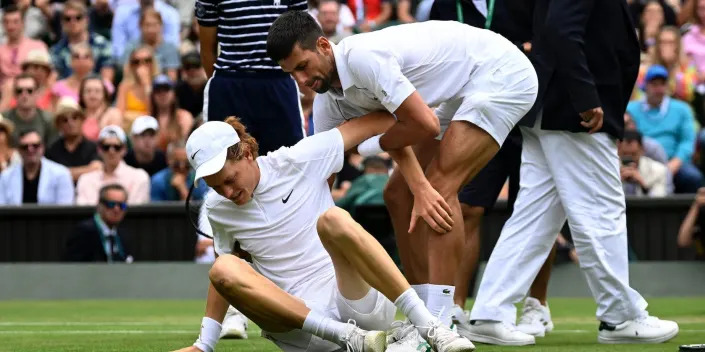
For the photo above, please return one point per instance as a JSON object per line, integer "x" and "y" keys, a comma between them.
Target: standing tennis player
{"x": 313, "y": 267}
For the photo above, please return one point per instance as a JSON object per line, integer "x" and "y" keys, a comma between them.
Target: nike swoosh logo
{"x": 193, "y": 156}
{"x": 284, "y": 200}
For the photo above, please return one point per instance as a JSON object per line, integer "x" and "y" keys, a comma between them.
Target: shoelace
{"x": 351, "y": 344}
{"x": 529, "y": 315}
{"x": 439, "y": 334}
{"x": 401, "y": 329}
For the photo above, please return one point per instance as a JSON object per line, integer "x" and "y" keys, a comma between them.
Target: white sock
{"x": 413, "y": 308}
{"x": 326, "y": 328}
{"x": 422, "y": 291}
{"x": 440, "y": 302}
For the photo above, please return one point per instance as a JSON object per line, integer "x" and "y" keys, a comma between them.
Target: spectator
{"x": 640, "y": 174}
{"x": 351, "y": 170}
{"x": 368, "y": 188}
{"x": 329, "y": 18}
{"x": 100, "y": 238}
{"x": 16, "y": 46}
{"x": 191, "y": 42}
{"x": 27, "y": 114}
{"x": 36, "y": 179}
{"x": 111, "y": 143}
{"x": 144, "y": 153}
{"x": 694, "y": 39}
{"x": 669, "y": 121}
{"x": 404, "y": 10}
{"x": 190, "y": 89}
{"x": 37, "y": 65}
{"x": 173, "y": 183}
{"x": 370, "y": 14}
{"x": 652, "y": 20}
{"x": 94, "y": 99}
{"x": 691, "y": 231}
{"x": 101, "y": 18}
{"x": 34, "y": 21}
{"x": 75, "y": 28}
{"x": 126, "y": 27}
{"x": 166, "y": 53}
{"x": 670, "y": 8}
{"x": 8, "y": 154}
{"x": 134, "y": 91}
{"x": 82, "y": 64}
{"x": 174, "y": 123}
{"x": 72, "y": 149}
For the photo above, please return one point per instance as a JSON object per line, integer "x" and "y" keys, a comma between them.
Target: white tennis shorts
{"x": 322, "y": 296}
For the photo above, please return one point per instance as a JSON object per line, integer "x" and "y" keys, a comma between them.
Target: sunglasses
{"x": 28, "y": 146}
{"x": 76, "y": 18}
{"x": 115, "y": 147}
{"x": 81, "y": 57}
{"x": 19, "y": 91}
{"x": 137, "y": 62}
{"x": 112, "y": 204}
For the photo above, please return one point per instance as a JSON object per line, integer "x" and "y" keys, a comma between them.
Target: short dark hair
{"x": 633, "y": 136}
{"x": 289, "y": 29}
{"x": 25, "y": 131}
{"x": 10, "y": 9}
{"x": 111, "y": 187}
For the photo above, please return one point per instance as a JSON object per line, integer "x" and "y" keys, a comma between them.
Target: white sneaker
{"x": 443, "y": 339}
{"x": 496, "y": 333}
{"x": 535, "y": 318}
{"x": 234, "y": 325}
{"x": 358, "y": 340}
{"x": 642, "y": 330}
{"x": 460, "y": 319}
{"x": 404, "y": 337}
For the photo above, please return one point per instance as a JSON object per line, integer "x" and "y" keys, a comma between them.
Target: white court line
{"x": 589, "y": 331}
{"x": 84, "y": 323}
{"x": 94, "y": 332}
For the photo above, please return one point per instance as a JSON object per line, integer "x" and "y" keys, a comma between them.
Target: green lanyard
{"x": 490, "y": 13}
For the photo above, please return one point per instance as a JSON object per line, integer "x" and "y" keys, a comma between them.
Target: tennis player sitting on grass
{"x": 317, "y": 278}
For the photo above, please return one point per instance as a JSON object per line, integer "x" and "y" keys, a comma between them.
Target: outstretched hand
{"x": 430, "y": 205}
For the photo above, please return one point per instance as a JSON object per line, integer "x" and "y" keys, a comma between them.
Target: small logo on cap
{"x": 193, "y": 156}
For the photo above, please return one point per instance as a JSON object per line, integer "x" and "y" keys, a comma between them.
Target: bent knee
{"x": 334, "y": 225}
{"x": 227, "y": 270}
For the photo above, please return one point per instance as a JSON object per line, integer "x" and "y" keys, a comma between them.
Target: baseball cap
{"x": 207, "y": 147}
{"x": 656, "y": 71}
{"x": 112, "y": 131}
{"x": 144, "y": 123}
{"x": 162, "y": 81}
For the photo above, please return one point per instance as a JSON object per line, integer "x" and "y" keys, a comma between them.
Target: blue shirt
{"x": 671, "y": 124}
{"x": 163, "y": 191}
{"x": 126, "y": 25}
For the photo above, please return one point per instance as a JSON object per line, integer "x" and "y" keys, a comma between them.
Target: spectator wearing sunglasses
{"x": 166, "y": 53}
{"x": 74, "y": 23}
{"x": 100, "y": 238}
{"x": 72, "y": 149}
{"x": 37, "y": 179}
{"x": 112, "y": 149}
{"x": 173, "y": 183}
{"x": 38, "y": 65}
{"x": 189, "y": 90}
{"x": 82, "y": 63}
{"x": 16, "y": 46}
{"x": 26, "y": 114}
{"x": 134, "y": 90}
{"x": 126, "y": 27}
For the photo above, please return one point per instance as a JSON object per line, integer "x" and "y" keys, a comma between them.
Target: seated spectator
{"x": 189, "y": 90}
{"x": 82, "y": 64}
{"x": 94, "y": 99}
{"x": 72, "y": 149}
{"x": 111, "y": 149}
{"x": 34, "y": 22}
{"x": 17, "y": 46}
{"x": 126, "y": 29}
{"x": 371, "y": 14}
{"x": 652, "y": 148}
{"x": 652, "y": 20}
{"x": 166, "y": 53}
{"x": 352, "y": 169}
{"x": 368, "y": 188}
{"x": 27, "y": 115}
{"x": 694, "y": 39}
{"x": 174, "y": 123}
{"x": 37, "y": 65}
{"x": 133, "y": 93}
{"x": 144, "y": 153}
{"x": 641, "y": 176}
{"x": 191, "y": 42}
{"x": 100, "y": 238}
{"x": 669, "y": 121}
{"x": 8, "y": 154}
{"x": 691, "y": 231}
{"x": 174, "y": 182}
{"x": 74, "y": 23}
{"x": 36, "y": 179}
{"x": 329, "y": 17}
{"x": 100, "y": 17}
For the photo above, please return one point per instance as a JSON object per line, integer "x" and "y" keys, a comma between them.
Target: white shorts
{"x": 322, "y": 296}
{"x": 496, "y": 100}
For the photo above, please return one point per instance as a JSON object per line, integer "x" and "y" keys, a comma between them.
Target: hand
{"x": 144, "y": 75}
{"x": 202, "y": 246}
{"x": 592, "y": 119}
{"x": 189, "y": 349}
{"x": 365, "y": 27}
{"x": 178, "y": 180}
{"x": 631, "y": 173}
{"x": 700, "y": 197}
{"x": 527, "y": 47}
{"x": 431, "y": 206}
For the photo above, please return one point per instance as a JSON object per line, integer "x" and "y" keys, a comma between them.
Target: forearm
{"x": 402, "y": 134}
{"x": 409, "y": 166}
{"x": 685, "y": 233}
{"x": 209, "y": 49}
{"x": 359, "y": 129}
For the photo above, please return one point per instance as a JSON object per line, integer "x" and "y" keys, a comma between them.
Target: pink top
{"x": 91, "y": 129}
{"x": 135, "y": 181}
{"x": 694, "y": 47}
{"x": 61, "y": 89}
{"x": 11, "y": 58}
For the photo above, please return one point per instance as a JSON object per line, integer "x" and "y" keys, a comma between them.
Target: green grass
{"x": 164, "y": 325}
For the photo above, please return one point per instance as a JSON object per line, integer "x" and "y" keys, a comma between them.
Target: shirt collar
{"x": 264, "y": 175}
{"x": 663, "y": 108}
{"x": 341, "y": 66}
{"x": 107, "y": 231}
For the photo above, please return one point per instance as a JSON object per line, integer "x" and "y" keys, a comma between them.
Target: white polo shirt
{"x": 379, "y": 70}
{"x": 278, "y": 226}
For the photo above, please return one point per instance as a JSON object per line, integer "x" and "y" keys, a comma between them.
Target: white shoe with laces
{"x": 535, "y": 318}
{"x": 234, "y": 325}
{"x": 443, "y": 339}
{"x": 404, "y": 337}
{"x": 497, "y": 333}
{"x": 647, "y": 329}
{"x": 358, "y": 340}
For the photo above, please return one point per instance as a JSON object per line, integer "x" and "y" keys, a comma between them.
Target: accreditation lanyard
{"x": 490, "y": 13}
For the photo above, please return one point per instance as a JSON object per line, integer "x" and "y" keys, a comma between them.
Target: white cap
{"x": 207, "y": 147}
{"x": 144, "y": 123}
{"x": 112, "y": 131}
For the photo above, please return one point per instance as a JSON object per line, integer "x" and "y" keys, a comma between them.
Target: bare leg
{"x": 472, "y": 217}
{"x": 539, "y": 289}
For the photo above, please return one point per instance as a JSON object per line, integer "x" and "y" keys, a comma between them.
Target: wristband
{"x": 370, "y": 147}
{"x": 210, "y": 333}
